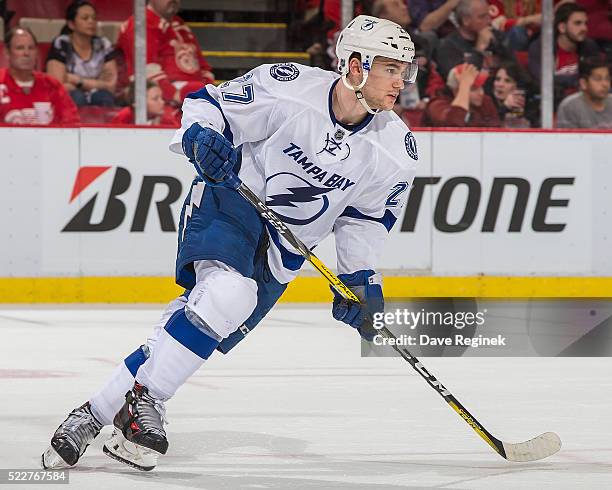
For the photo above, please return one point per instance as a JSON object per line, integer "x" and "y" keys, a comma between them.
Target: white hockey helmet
{"x": 370, "y": 37}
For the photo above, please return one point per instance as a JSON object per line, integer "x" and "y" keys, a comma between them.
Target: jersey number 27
{"x": 246, "y": 97}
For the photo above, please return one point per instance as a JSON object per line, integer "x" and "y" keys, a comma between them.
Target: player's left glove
{"x": 367, "y": 286}
{"x": 212, "y": 154}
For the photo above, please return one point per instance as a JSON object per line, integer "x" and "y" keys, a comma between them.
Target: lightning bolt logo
{"x": 290, "y": 193}
{"x": 296, "y": 194}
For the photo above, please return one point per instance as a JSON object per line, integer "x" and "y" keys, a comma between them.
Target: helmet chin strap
{"x": 359, "y": 93}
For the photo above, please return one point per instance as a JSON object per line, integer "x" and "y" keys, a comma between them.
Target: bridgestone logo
{"x": 116, "y": 211}
{"x": 518, "y": 187}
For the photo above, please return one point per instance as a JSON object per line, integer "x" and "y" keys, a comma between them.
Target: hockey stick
{"x": 539, "y": 447}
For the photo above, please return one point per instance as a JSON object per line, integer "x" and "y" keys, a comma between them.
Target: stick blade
{"x": 537, "y": 448}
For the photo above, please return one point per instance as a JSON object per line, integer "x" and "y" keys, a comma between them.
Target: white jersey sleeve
{"x": 362, "y": 230}
{"x": 242, "y": 109}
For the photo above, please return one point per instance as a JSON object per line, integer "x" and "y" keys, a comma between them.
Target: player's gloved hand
{"x": 212, "y": 154}
{"x": 367, "y": 286}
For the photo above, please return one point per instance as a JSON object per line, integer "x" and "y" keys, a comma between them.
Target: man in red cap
{"x": 463, "y": 103}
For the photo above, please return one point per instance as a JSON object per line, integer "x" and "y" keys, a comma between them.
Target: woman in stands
{"x": 82, "y": 61}
{"x": 513, "y": 92}
{"x": 158, "y": 113}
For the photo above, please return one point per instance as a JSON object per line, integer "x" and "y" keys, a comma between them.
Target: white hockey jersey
{"x": 317, "y": 174}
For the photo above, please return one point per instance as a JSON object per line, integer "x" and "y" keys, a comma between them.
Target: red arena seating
{"x": 56, "y": 9}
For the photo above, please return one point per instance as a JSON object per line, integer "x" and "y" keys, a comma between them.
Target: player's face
{"x": 385, "y": 80}
{"x": 598, "y": 84}
{"x": 165, "y": 8}
{"x": 503, "y": 84}
{"x": 22, "y": 52}
{"x": 576, "y": 27}
{"x": 155, "y": 102}
{"x": 85, "y": 21}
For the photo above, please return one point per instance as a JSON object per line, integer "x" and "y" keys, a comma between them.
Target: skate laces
{"x": 81, "y": 427}
{"x": 151, "y": 411}
{"x": 161, "y": 409}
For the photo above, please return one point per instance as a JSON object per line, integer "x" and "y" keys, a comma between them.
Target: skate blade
{"x": 50, "y": 460}
{"x": 126, "y": 452}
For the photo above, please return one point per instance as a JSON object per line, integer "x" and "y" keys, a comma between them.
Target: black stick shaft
{"x": 276, "y": 222}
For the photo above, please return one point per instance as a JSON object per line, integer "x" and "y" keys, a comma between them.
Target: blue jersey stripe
{"x": 290, "y": 260}
{"x": 388, "y": 219}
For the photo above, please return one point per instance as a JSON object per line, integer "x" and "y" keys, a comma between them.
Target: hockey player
{"x": 327, "y": 154}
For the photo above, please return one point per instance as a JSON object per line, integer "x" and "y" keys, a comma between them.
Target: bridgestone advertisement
{"x": 482, "y": 203}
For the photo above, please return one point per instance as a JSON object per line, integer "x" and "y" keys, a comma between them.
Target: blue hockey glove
{"x": 367, "y": 287}
{"x": 212, "y": 154}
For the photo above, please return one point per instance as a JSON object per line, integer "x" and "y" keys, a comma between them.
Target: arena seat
{"x": 44, "y": 29}
{"x": 117, "y": 10}
{"x": 109, "y": 29}
{"x": 43, "y": 50}
{"x": 97, "y": 115}
{"x": 413, "y": 117}
{"x": 522, "y": 59}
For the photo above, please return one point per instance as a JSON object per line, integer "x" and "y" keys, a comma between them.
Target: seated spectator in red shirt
{"x": 570, "y": 46}
{"x": 174, "y": 57}
{"x": 28, "y": 96}
{"x": 464, "y": 103}
{"x": 82, "y": 61}
{"x": 158, "y": 113}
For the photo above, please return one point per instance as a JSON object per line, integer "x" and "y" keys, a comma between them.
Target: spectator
{"x": 463, "y": 103}
{"x": 397, "y": 11}
{"x": 28, "y": 96}
{"x": 394, "y": 10}
{"x": 512, "y": 92}
{"x": 158, "y": 113}
{"x": 571, "y": 45}
{"x": 519, "y": 19}
{"x": 433, "y": 16}
{"x": 310, "y": 29}
{"x": 592, "y": 107}
{"x": 600, "y": 23}
{"x": 82, "y": 61}
{"x": 174, "y": 58}
{"x": 475, "y": 41}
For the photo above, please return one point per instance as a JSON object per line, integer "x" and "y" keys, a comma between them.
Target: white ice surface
{"x": 296, "y": 407}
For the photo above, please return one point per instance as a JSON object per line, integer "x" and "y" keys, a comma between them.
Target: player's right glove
{"x": 366, "y": 284}
{"x": 212, "y": 154}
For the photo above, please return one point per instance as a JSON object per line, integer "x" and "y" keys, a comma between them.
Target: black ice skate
{"x": 71, "y": 438}
{"x": 139, "y": 437}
